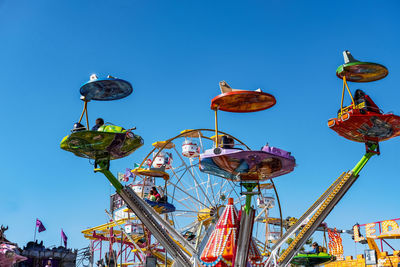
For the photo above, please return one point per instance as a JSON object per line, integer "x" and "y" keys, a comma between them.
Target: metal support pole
{"x": 216, "y": 127}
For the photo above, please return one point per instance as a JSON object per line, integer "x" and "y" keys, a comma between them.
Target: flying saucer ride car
{"x": 247, "y": 167}
{"x": 108, "y": 142}
{"x": 363, "y": 121}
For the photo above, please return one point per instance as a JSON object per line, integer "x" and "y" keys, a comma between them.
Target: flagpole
{"x": 34, "y": 236}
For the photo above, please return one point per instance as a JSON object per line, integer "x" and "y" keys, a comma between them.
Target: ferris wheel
{"x": 198, "y": 198}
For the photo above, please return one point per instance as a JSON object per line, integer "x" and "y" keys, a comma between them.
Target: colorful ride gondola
{"x": 311, "y": 259}
{"x": 247, "y": 165}
{"x": 161, "y": 207}
{"x": 363, "y": 125}
{"x": 98, "y": 144}
{"x": 363, "y": 121}
{"x": 144, "y": 187}
{"x": 108, "y": 142}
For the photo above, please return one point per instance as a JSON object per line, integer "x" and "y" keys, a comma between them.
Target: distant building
{"x": 38, "y": 256}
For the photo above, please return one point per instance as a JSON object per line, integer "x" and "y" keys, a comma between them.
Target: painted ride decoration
{"x": 363, "y": 121}
{"x": 335, "y": 244}
{"x": 9, "y": 255}
{"x": 238, "y": 100}
{"x": 221, "y": 246}
{"x": 108, "y": 141}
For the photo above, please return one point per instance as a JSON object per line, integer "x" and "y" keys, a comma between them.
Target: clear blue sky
{"x": 175, "y": 53}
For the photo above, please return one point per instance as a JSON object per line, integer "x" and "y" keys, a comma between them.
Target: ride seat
{"x": 111, "y": 129}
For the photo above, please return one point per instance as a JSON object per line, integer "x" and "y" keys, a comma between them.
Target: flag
{"x": 64, "y": 237}
{"x": 40, "y": 226}
{"x": 120, "y": 176}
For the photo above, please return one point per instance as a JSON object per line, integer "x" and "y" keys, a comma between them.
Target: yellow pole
{"x": 87, "y": 116}
{"x": 83, "y": 112}
{"x": 216, "y": 127}
{"x": 341, "y": 103}
{"x": 348, "y": 90}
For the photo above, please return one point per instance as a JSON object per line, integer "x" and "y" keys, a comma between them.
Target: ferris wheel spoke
{"x": 191, "y": 173}
{"x": 211, "y": 187}
{"x": 195, "y": 224}
{"x": 194, "y": 178}
{"x": 190, "y": 197}
{"x": 233, "y": 190}
{"x": 182, "y": 203}
{"x": 179, "y": 181}
{"x": 185, "y": 214}
{"x": 201, "y": 142}
{"x": 207, "y": 186}
{"x": 261, "y": 213}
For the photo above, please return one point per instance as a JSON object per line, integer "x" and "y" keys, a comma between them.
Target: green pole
{"x": 360, "y": 165}
{"x": 249, "y": 187}
{"x": 113, "y": 180}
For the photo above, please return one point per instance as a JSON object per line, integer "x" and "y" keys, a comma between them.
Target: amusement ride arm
{"x": 320, "y": 210}
{"x": 152, "y": 221}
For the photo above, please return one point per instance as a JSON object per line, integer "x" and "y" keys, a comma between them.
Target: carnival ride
{"x": 355, "y": 71}
{"x": 196, "y": 223}
{"x": 110, "y": 141}
{"x": 363, "y": 121}
{"x": 206, "y": 194}
{"x": 248, "y": 167}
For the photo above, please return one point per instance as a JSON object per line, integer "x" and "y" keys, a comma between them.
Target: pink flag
{"x": 64, "y": 237}
{"x": 40, "y": 226}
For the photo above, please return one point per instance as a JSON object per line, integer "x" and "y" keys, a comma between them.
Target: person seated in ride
{"x": 315, "y": 250}
{"x": 363, "y": 102}
{"x": 228, "y": 142}
{"x": 156, "y": 194}
{"x": 99, "y": 122}
{"x": 151, "y": 196}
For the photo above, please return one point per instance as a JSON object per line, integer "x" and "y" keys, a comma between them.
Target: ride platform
{"x": 362, "y": 72}
{"x": 99, "y": 145}
{"x": 247, "y": 165}
{"x": 105, "y": 89}
{"x": 243, "y": 101}
{"x": 357, "y": 71}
